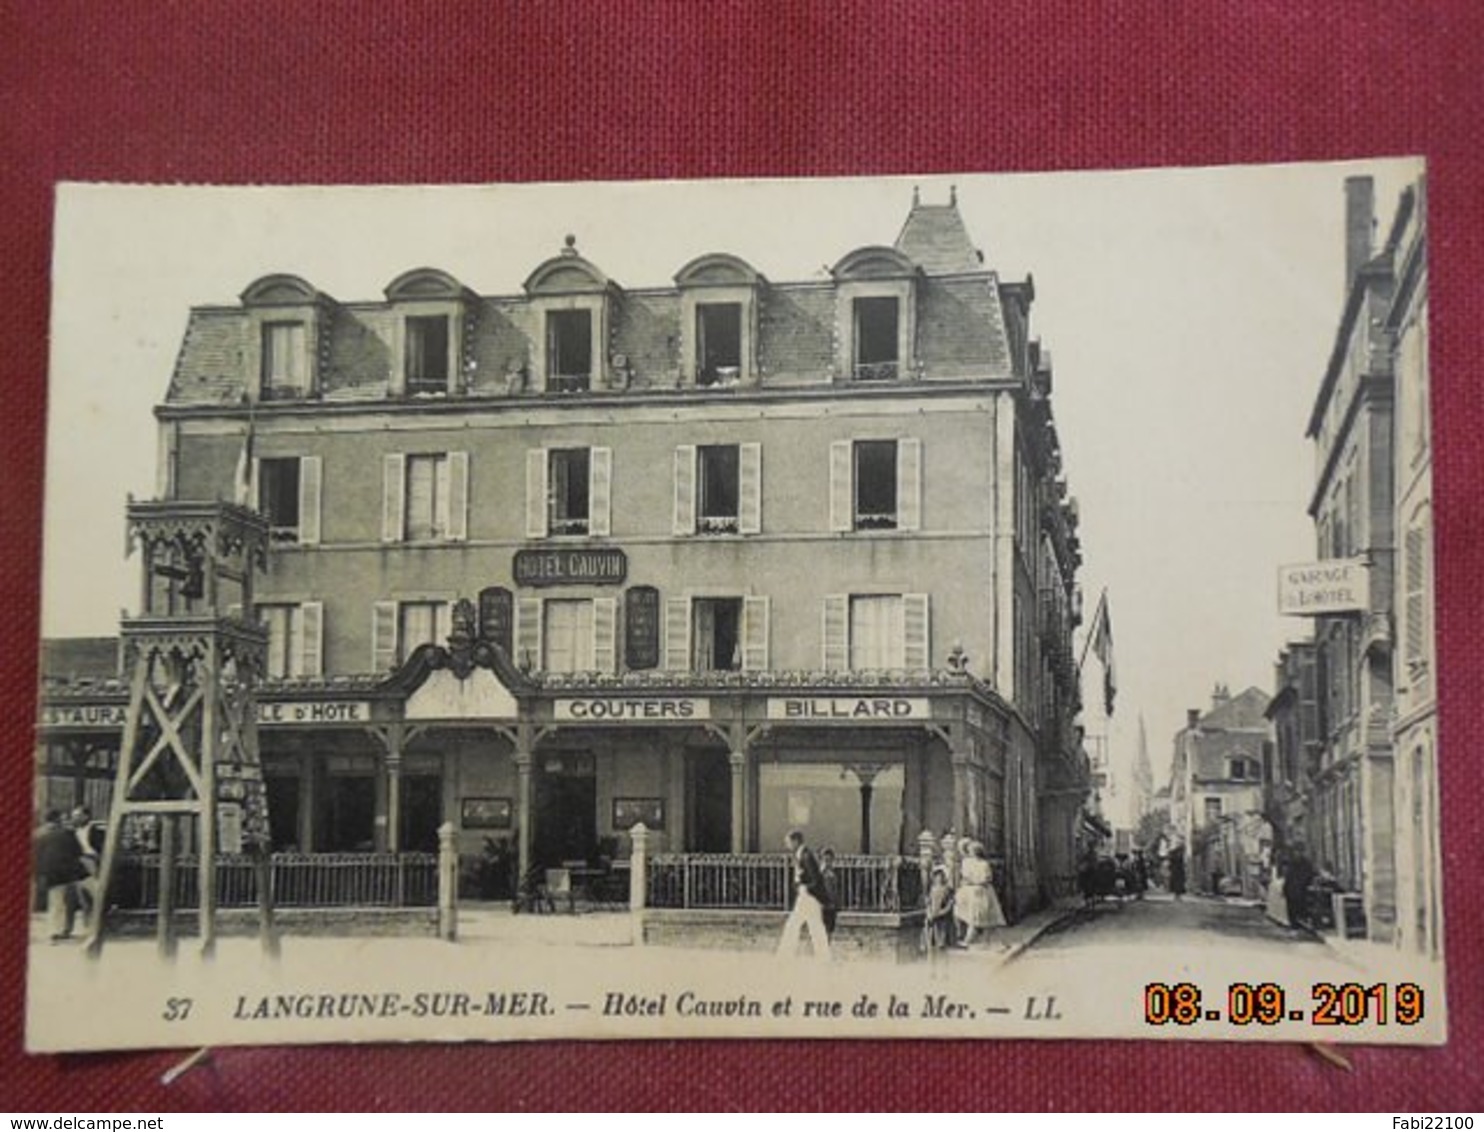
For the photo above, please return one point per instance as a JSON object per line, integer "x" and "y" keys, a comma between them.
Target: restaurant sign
{"x": 315, "y": 711}
{"x": 570, "y": 566}
{"x": 633, "y": 709}
{"x": 103, "y": 716}
{"x": 848, "y": 708}
{"x": 1341, "y": 585}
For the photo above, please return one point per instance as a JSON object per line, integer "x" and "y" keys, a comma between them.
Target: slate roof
{"x": 936, "y": 239}
{"x": 1246, "y": 711}
{"x": 79, "y": 658}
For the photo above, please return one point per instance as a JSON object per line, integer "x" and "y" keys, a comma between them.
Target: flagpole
{"x": 1093, "y": 631}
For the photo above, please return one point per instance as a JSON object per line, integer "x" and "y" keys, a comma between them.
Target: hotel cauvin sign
{"x": 603, "y": 566}
{"x": 1341, "y": 585}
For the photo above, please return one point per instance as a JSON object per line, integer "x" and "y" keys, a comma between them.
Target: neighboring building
{"x": 1297, "y": 744}
{"x": 739, "y": 555}
{"x": 1216, "y": 791}
{"x": 1419, "y": 904}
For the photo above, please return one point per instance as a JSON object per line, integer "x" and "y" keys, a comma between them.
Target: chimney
{"x": 1360, "y": 221}
{"x": 1192, "y": 719}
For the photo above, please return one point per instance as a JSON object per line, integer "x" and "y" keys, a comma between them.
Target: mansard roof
{"x": 937, "y": 240}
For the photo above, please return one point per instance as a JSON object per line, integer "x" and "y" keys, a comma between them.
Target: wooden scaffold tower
{"x": 189, "y": 778}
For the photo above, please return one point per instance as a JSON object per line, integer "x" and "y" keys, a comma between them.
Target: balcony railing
{"x": 764, "y": 882}
{"x": 877, "y": 371}
{"x": 300, "y": 880}
{"x": 569, "y": 382}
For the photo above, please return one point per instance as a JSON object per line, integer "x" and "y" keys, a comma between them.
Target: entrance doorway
{"x": 283, "y": 812}
{"x": 347, "y": 815}
{"x": 422, "y": 813}
{"x": 566, "y": 810}
{"x": 708, "y": 825}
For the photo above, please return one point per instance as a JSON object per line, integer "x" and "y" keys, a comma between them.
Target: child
{"x": 937, "y": 927}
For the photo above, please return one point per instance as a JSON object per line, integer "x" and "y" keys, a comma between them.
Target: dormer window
{"x": 285, "y": 359}
{"x": 569, "y": 350}
{"x": 718, "y": 343}
{"x": 426, "y": 354}
{"x": 876, "y": 339}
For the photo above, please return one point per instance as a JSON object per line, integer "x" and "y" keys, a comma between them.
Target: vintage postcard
{"x": 704, "y": 609}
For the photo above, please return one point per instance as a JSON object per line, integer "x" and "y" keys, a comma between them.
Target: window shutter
{"x": 383, "y": 636}
{"x": 536, "y": 504}
{"x": 685, "y": 489}
{"x": 442, "y": 623}
{"x": 1414, "y": 639}
{"x": 528, "y": 633}
{"x": 393, "y": 496}
{"x": 605, "y": 634}
{"x": 909, "y": 484}
{"x": 750, "y": 489}
{"x": 754, "y": 634}
{"x": 836, "y": 646}
{"x": 309, "y": 496}
{"x": 915, "y": 642}
{"x": 456, "y": 522}
{"x": 677, "y": 634}
{"x": 254, "y": 477}
{"x": 841, "y": 509}
{"x": 600, "y": 483}
{"x": 311, "y": 638}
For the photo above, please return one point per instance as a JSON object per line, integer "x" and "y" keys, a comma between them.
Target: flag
{"x": 1102, "y": 646}
{"x": 242, "y": 481}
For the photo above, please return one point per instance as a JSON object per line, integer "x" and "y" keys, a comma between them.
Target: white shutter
{"x": 254, "y": 478}
{"x": 909, "y": 484}
{"x": 528, "y": 633}
{"x": 915, "y": 638}
{"x": 605, "y": 634}
{"x": 311, "y": 638}
{"x": 754, "y": 634}
{"x": 842, "y": 516}
{"x": 836, "y": 645}
{"x": 393, "y": 496}
{"x": 309, "y": 497}
{"x": 677, "y": 634}
{"x": 456, "y": 521}
{"x": 685, "y": 489}
{"x": 442, "y": 624}
{"x": 536, "y": 505}
{"x": 383, "y": 636}
{"x": 750, "y": 489}
{"x": 600, "y": 484}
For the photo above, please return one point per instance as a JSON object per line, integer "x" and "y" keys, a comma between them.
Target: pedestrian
{"x": 1177, "y": 872}
{"x": 1140, "y": 873}
{"x": 59, "y": 868}
{"x": 831, "y": 907}
{"x": 976, "y": 907}
{"x": 937, "y": 924}
{"x": 1297, "y": 877}
{"x": 808, "y": 901}
{"x": 90, "y": 837}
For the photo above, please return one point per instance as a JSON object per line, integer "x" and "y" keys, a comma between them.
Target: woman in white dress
{"x": 975, "y": 905}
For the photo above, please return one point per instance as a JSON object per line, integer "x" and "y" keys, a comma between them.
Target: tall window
{"x": 567, "y": 635}
{"x": 876, "y": 342}
{"x": 427, "y": 497}
{"x": 418, "y": 623}
{"x": 875, "y": 485}
{"x": 718, "y": 468}
{"x": 295, "y": 635}
{"x": 570, "y": 494}
{"x": 717, "y": 639}
{"x": 427, "y": 354}
{"x": 278, "y": 497}
{"x": 876, "y": 632}
{"x": 569, "y": 350}
{"x": 285, "y": 360}
{"x": 718, "y": 342}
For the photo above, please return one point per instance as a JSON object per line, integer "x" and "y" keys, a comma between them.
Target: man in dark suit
{"x": 59, "y": 867}
{"x": 809, "y": 897}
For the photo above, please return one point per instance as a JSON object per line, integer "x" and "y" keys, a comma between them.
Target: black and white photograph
{"x": 975, "y": 606}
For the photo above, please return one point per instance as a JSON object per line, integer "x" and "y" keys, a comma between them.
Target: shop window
{"x": 569, "y": 350}
{"x": 876, "y": 338}
{"x": 426, "y": 355}
{"x": 717, "y": 634}
{"x": 285, "y": 360}
{"x": 718, "y": 343}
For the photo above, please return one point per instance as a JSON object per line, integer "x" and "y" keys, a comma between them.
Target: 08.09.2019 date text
{"x": 1267, "y": 1004}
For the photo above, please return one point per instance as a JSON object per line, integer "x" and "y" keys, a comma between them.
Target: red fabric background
{"x": 283, "y": 91}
